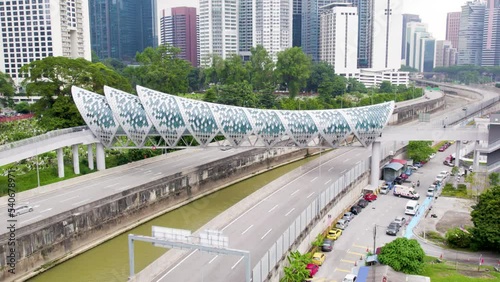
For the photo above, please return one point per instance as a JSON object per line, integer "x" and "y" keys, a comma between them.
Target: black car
{"x": 398, "y": 180}
{"x": 327, "y": 245}
{"x": 392, "y": 229}
{"x": 355, "y": 209}
{"x": 363, "y": 203}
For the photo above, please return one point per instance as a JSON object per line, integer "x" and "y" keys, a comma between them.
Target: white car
{"x": 432, "y": 156}
{"x": 440, "y": 178}
{"x": 22, "y": 209}
{"x": 349, "y": 278}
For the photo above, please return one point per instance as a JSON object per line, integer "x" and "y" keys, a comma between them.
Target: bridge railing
{"x": 42, "y": 137}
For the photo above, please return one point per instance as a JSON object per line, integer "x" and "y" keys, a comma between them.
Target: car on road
{"x": 342, "y": 224}
{"x": 22, "y": 209}
{"x": 400, "y": 220}
{"x": 334, "y": 234}
{"x": 431, "y": 156}
{"x": 384, "y": 189}
{"x": 362, "y": 203}
{"x": 327, "y": 245}
{"x": 442, "y": 149}
{"x": 313, "y": 269}
{"x": 440, "y": 178}
{"x": 348, "y": 216}
{"x": 430, "y": 192}
{"x": 318, "y": 258}
{"x": 370, "y": 197}
{"x": 392, "y": 229}
{"x": 413, "y": 167}
{"x": 356, "y": 209}
{"x": 349, "y": 278}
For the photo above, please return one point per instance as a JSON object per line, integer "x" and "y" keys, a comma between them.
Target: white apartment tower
{"x": 33, "y": 30}
{"x": 413, "y": 29}
{"x": 218, "y": 29}
{"x": 387, "y": 35}
{"x": 273, "y": 25}
{"x": 339, "y": 38}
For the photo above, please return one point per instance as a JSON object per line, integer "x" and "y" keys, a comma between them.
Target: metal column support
{"x": 375, "y": 165}
{"x": 475, "y": 162}
{"x": 76, "y": 159}
{"x": 457, "y": 153}
{"x": 90, "y": 154}
{"x": 60, "y": 162}
{"x": 100, "y": 156}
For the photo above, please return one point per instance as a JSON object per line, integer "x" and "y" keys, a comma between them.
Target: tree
{"x": 458, "y": 238}
{"x": 321, "y": 72}
{"x": 195, "y": 80}
{"x": 486, "y": 218}
{"x": 261, "y": 69}
{"x": 293, "y": 69}
{"x": 494, "y": 178}
{"x": 339, "y": 85}
{"x": 210, "y": 95}
{"x": 419, "y": 150}
{"x": 237, "y": 94}
{"x": 385, "y": 87}
{"x": 403, "y": 255}
{"x": 22, "y": 108}
{"x": 7, "y": 89}
{"x": 408, "y": 68}
{"x": 296, "y": 271}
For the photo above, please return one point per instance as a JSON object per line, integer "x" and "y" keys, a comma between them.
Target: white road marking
{"x": 122, "y": 188}
{"x": 326, "y": 183}
{"x": 331, "y": 168}
{"x": 213, "y": 259}
{"x": 295, "y": 192}
{"x": 46, "y": 210}
{"x": 81, "y": 202}
{"x": 346, "y": 160}
{"x": 343, "y": 171}
{"x": 35, "y": 217}
{"x": 111, "y": 185}
{"x": 247, "y": 229}
{"x": 310, "y": 195}
{"x": 159, "y": 173}
{"x": 265, "y": 234}
{"x": 237, "y": 263}
{"x": 314, "y": 179}
{"x": 289, "y": 212}
{"x": 173, "y": 268}
{"x": 36, "y": 206}
{"x": 273, "y": 208}
{"x": 68, "y": 199}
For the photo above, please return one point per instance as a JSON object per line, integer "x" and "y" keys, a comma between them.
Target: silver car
{"x": 22, "y": 209}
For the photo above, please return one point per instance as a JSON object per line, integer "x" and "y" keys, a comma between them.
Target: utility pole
{"x": 374, "y": 238}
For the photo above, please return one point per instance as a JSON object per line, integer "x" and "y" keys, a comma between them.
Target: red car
{"x": 313, "y": 269}
{"x": 370, "y": 197}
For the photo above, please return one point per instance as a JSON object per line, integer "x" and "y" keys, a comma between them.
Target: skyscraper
{"x": 297, "y": 23}
{"x": 365, "y": 32}
{"x": 179, "y": 30}
{"x": 386, "y": 38}
{"x": 452, "y": 28}
{"x": 246, "y": 26}
{"x": 407, "y": 18}
{"x": 444, "y": 56}
{"x": 33, "y": 32}
{"x": 120, "y": 29}
{"x": 310, "y": 26}
{"x": 412, "y": 41}
{"x": 470, "y": 36}
{"x": 491, "y": 37}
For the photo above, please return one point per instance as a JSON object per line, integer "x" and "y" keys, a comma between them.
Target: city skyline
{"x": 434, "y": 17}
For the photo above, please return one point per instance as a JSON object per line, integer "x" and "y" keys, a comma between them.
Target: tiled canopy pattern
{"x": 154, "y": 113}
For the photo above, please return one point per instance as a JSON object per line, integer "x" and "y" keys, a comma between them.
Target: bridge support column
{"x": 90, "y": 154}
{"x": 100, "y": 156}
{"x": 60, "y": 162}
{"x": 475, "y": 162}
{"x": 457, "y": 153}
{"x": 76, "y": 159}
{"x": 375, "y": 165}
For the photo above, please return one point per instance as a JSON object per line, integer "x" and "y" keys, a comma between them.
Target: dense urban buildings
{"x": 179, "y": 30}
{"x": 32, "y": 32}
{"x": 245, "y": 27}
{"x": 310, "y": 26}
{"x": 452, "y": 27}
{"x": 491, "y": 36}
{"x": 297, "y": 23}
{"x": 414, "y": 32}
{"x": 470, "y": 36}
{"x": 407, "y": 18}
{"x": 386, "y": 38}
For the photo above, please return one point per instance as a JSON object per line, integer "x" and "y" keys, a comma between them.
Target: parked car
{"x": 356, "y": 209}
{"x": 22, "y": 209}
{"x": 431, "y": 156}
{"x": 418, "y": 164}
{"x": 398, "y": 180}
{"x": 318, "y": 258}
{"x": 392, "y": 229}
{"x": 327, "y": 245}
{"x": 348, "y": 216}
{"x": 430, "y": 192}
{"x": 384, "y": 189}
{"x": 334, "y": 234}
{"x": 404, "y": 176}
{"x": 313, "y": 269}
{"x": 342, "y": 224}
{"x": 412, "y": 167}
{"x": 349, "y": 278}
{"x": 442, "y": 149}
{"x": 400, "y": 220}
{"x": 370, "y": 197}
{"x": 441, "y": 178}
{"x": 362, "y": 203}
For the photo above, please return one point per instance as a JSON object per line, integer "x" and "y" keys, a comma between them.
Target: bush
{"x": 403, "y": 255}
{"x": 458, "y": 238}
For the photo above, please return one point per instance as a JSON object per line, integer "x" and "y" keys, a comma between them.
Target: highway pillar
{"x": 76, "y": 159}
{"x": 60, "y": 162}
{"x": 475, "y": 162}
{"x": 100, "y": 156}
{"x": 90, "y": 156}
{"x": 457, "y": 153}
{"x": 375, "y": 165}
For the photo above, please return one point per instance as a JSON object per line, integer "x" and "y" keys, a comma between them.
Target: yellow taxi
{"x": 318, "y": 258}
{"x": 334, "y": 234}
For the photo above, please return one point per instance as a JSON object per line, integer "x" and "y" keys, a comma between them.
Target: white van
{"x": 430, "y": 192}
{"x": 411, "y": 207}
{"x": 384, "y": 189}
{"x": 405, "y": 191}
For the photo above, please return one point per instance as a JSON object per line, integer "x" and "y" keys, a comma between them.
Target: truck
{"x": 405, "y": 191}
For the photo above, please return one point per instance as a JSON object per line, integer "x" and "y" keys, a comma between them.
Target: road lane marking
{"x": 345, "y": 260}
{"x": 331, "y": 168}
{"x": 159, "y": 173}
{"x": 247, "y": 229}
{"x": 295, "y": 192}
{"x": 310, "y": 195}
{"x": 346, "y": 160}
{"x": 173, "y": 268}
{"x": 355, "y": 253}
{"x": 234, "y": 265}
{"x": 326, "y": 183}
{"x": 359, "y": 246}
{"x": 342, "y": 172}
{"x": 111, "y": 185}
{"x": 36, "y": 206}
{"x": 35, "y": 217}
{"x": 343, "y": 270}
{"x": 264, "y": 235}
{"x": 214, "y": 258}
{"x": 68, "y": 199}
{"x": 81, "y": 202}
{"x": 121, "y": 188}
{"x": 314, "y": 179}
{"x": 273, "y": 208}
{"x": 289, "y": 212}
{"x": 46, "y": 210}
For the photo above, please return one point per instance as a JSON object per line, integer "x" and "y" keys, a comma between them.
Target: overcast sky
{"x": 432, "y": 12}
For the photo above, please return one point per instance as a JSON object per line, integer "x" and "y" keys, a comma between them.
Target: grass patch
{"x": 459, "y": 192}
{"x": 438, "y": 145}
{"x": 451, "y": 272}
{"x": 435, "y": 237}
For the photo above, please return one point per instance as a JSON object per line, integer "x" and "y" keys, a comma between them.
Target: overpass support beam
{"x": 76, "y": 159}
{"x": 475, "y": 162}
{"x": 60, "y": 162}
{"x": 100, "y": 156}
{"x": 375, "y": 165}
{"x": 90, "y": 154}
{"x": 457, "y": 152}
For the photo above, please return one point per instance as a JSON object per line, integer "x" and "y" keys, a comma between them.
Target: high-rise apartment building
{"x": 445, "y": 54}
{"x": 470, "y": 36}
{"x": 386, "y": 38}
{"x": 427, "y": 54}
{"x": 365, "y": 32}
{"x": 407, "y": 18}
{"x": 414, "y": 31}
{"x": 120, "y": 29}
{"x": 491, "y": 34}
{"x": 297, "y": 23}
{"x": 33, "y": 31}
{"x": 310, "y": 26}
{"x": 338, "y": 42}
{"x": 179, "y": 30}
{"x": 246, "y": 26}
{"x": 218, "y": 29}
{"x": 452, "y": 27}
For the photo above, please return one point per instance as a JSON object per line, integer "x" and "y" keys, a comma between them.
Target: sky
{"x": 432, "y": 12}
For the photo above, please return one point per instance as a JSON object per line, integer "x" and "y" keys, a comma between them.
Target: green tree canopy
{"x": 419, "y": 150}
{"x": 237, "y": 94}
{"x": 261, "y": 69}
{"x": 7, "y": 89}
{"x": 296, "y": 271}
{"x": 403, "y": 255}
{"x": 293, "y": 69}
{"x": 23, "y": 108}
{"x": 386, "y": 87}
{"x": 320, "y": 72}
{"x": 486, "y": 218}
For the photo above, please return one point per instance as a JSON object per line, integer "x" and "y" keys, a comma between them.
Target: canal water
{"x": 108, "y": 262}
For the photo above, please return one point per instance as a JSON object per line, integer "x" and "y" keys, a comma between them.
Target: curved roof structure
{"x": 152, "y": 113}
